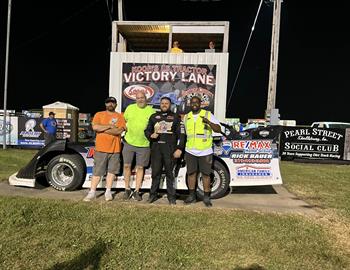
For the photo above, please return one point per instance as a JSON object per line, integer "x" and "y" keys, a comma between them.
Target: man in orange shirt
{"x": 108, "y": 126}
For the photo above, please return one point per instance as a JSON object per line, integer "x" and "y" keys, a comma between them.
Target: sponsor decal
{"x": 30, "y": 125}
{"x": 227, "y": 132}
{"x": 29, "y": 130}
{"x": 244, "y": 134}
{"x": 114, "y": 121}
{"x": 90, "y": 153}
{"x": 218, "y": 150}
{"x": 307, "y": 133}
{"x": 69, "y": 162}
{"x": 252, "y": 151}
{"x": 264, "y": 133}
{"x": 203, "y": 93}
{"x": 251, "y": 144}
{"x": 226, "y": 146}
{"x": 251, "y": 157}
{"x": 253, "y": 172}
{"x": 131, "y": 91}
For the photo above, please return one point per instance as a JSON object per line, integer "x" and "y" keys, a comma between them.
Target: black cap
{"x": 111, "y": 99}
{"x": 51, "y": 113}
{"x": 166, "y": 97}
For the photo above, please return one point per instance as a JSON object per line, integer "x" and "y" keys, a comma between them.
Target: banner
{"x": 251, "y": 162}
{"x": 11, "y": 130}
{"x": 312, "y": 143}
{"x": 30, "y": 133}
{"x": 64, "y": 128}
{"x": 179, "y": 82}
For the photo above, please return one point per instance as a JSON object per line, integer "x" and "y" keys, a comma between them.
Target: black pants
{"x": 162, "y": 155}
{"x": 49, "y": 138}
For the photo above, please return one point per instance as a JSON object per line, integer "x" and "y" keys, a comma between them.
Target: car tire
{"x": 219, "y": 184}
{"x": 66, "y": 172}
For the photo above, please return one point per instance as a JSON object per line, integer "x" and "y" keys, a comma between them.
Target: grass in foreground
{"x": 324, "y": 185}
{"x": 11, "y": 160}
{"x": 47, "y": 234}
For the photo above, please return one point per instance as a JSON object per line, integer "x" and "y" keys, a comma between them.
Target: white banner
{"x": 11, "y": 128}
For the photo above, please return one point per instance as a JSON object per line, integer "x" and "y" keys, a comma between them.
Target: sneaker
{"x": 127, "y": 194}
{"x": 90, "y": 197}
{"x": 136, "y": 195}
{"x": 207, "y": 202}
{"x": 190, "y": 199}
{"x": 108, "y": 196}
{"x": 152, "y": 198}
{"x": 172, "y": 201}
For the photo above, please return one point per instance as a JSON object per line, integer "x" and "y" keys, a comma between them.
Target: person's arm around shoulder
{"x": 180, "y": 137}
{"x": 149, "y": 131}
{"x": 152, "y": 110}
{"x": 213, "y": 123}
{"x": 127, "y": 112}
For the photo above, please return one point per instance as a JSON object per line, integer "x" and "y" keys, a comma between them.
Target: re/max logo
{"x": 251, "y": 144}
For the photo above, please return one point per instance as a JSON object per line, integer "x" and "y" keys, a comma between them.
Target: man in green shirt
{"x": 136, "y": 143}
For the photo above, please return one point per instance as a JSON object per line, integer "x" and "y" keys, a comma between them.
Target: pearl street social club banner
{"x": 179, "y": 82}
{"x": 312, "y": 143}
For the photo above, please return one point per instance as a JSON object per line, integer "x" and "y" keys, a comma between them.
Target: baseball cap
{"x": 51, "y": 113}
{"x": 166, "y": 97}
{"x": 111, "y": 99}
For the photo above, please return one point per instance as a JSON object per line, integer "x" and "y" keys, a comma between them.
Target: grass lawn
{"x": 48, "y": 234}
{"x": 324, "y": 185}
{"x": 11, "y": 160}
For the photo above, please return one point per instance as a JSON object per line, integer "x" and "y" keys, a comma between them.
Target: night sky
{"x": 59, "y": 50}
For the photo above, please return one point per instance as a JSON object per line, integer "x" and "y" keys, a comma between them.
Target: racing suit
{"x": 171, "y": 137}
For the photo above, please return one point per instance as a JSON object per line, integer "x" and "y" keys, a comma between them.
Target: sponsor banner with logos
{"x": 30, "y": 133}
{"x": 312, "y": 143}
{"x": 251, "y": 162}
{"x": 11, "y": 129}
{"x": 64, "y": 128}
{"x": 179, "y": 82}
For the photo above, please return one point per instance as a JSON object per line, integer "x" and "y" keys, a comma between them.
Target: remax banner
{"x": 253, "y": 162}
{"x": 179, "y": 82}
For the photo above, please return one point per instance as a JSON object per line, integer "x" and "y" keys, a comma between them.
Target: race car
{"x": 240, "y": 159}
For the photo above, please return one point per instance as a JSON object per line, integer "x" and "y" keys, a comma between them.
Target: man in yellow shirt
{"x": 175, "y": 48}
{"x": 136, "y": 143}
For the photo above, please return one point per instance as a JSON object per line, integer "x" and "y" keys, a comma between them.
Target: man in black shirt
{"x": 167, "y": 136}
